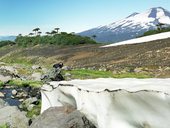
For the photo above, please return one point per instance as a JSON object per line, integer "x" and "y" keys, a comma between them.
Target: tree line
{"x": 54, "y": 37}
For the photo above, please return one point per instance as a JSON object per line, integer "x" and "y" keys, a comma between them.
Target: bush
{"x": 4, "y": 43}
{"x": 57, "y": 39}
{"x": 1, "y": 84}
{"x": 35, "y": 111}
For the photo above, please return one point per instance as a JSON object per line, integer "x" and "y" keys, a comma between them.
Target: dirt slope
{"x": 151, "y": 54}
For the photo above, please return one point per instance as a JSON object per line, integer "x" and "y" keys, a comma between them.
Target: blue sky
{"x": 21, "y": 16}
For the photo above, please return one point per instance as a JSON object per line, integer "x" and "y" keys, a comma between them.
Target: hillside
{"x": 152, "y": 56}
{"x": 130, "y": 27}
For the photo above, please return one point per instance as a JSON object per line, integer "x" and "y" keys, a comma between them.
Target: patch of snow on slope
{"x": 114, "y": 103}
{"x": 142, "y": 39}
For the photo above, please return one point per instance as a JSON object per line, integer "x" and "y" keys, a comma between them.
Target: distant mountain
{"x": 132, "y": 26}
{"x": 12, "y": 38}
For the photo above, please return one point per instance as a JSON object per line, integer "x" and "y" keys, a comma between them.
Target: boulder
{"x": 61, "y": 117}
{"x": 102, "y": 69}
{"x": 34, "y": 92}
{"x": 12, "y": 116}
{"x": 2, "y": 95}
{"x": 138, "y": 70}
{"x": 7, "y": 73}
{"x": 5, "y": 79}
{"x": 2, "y": 63}
{"x": 67, "y": 76}
{"x": 114, "y": 72}
{"x": 167, "y": 69}
{"x": 14, "y": 92}
{"x": 67, "y": 68}
{"x": 34, "y": 67}
{"x": 28, "y": 104}
{"x": 45, "y": 70}
{"x": 36, "y": 76}
{"x": 30, "y": 107}
{"x": 164, "y": 74}
{"x": 11, "y": 69}
{"x": 21, "y": 95}
{"x": 2, "y": 103}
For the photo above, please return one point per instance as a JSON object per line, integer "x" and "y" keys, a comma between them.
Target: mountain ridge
{"x": 4, "y": 38}
{"x": 130, "y": 27}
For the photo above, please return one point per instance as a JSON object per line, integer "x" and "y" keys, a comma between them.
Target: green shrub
{"x": 57, "y": 39}
{"x": 4, "y": 126}
{"x": 4, "y": 43}
{"x": 1, "y": 84}
{"x": 35, "y": 111}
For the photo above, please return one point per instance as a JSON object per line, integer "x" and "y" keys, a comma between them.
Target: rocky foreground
{"x": 62, "y": 117}
{"x": 54, "y": 117}
{"x": 20, "y": 101}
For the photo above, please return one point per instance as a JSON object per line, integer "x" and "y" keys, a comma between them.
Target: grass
{"x": 21, "y": 83}
{"x": 85, "y": 74}
{"x": 1, "y": 84}
{"x": 4, "y": 126}
{"x": 35, "y": 111}
{"x": 133, "y": 75}
{"x": 18, "y": 60}
{"x": 91, "y": 74}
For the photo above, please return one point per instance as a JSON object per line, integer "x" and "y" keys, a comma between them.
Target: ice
{"x": 114, "y": 103}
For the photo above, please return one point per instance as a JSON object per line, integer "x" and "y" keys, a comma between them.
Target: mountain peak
{"x": 133, "y": 14}
{"x": 158, "y": 8}
{"x": 160, "y": 14}
{"x": 130, "y": 27}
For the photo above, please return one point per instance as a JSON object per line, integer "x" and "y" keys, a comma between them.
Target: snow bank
{"x": 142, "y": 39}
{"x": 114, "y": 103}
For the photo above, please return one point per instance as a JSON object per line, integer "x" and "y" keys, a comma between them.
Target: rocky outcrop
{"x": 12, "y": 116}
{"x": 114, "y": 103}
{"x": 62, "y": 117}
{"x": 5, "y": 75}
{"x": 2, "y": 103}
{"x": 20, "y": 72}
{"x": 29, "y": 104}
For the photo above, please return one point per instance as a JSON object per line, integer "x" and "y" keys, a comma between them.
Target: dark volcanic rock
{"x": 62, "y": 117}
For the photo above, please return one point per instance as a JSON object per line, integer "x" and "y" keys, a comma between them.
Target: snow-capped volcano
{"x": 130, "y": 27}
